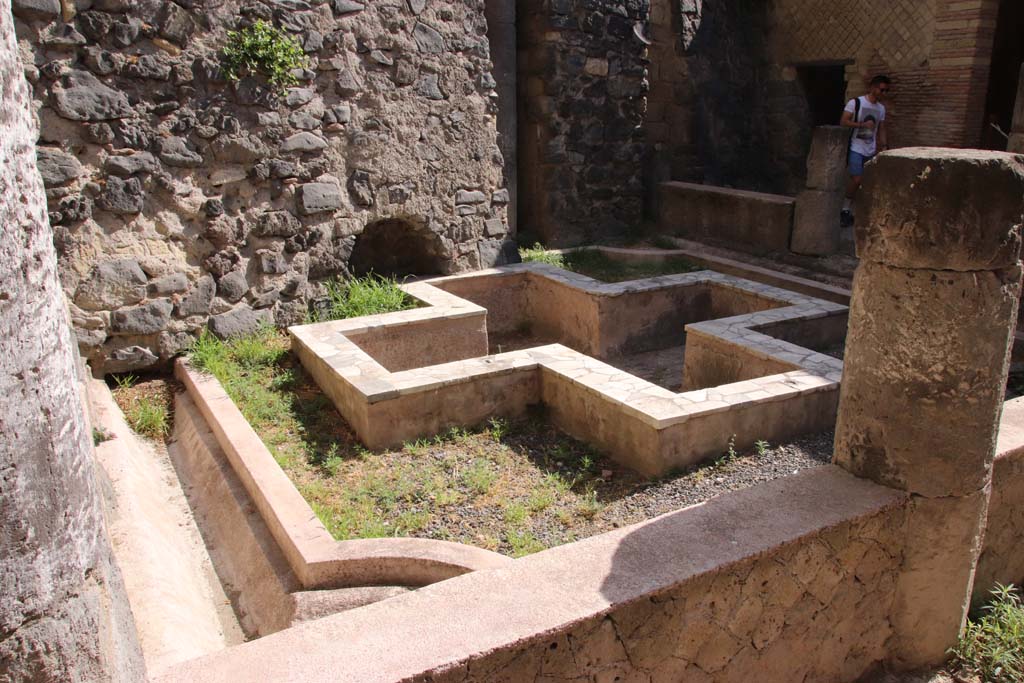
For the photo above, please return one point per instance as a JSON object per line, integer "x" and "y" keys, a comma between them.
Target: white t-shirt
{"x": 865, "y": 140}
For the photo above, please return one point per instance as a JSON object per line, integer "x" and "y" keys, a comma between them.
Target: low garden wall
{"x": 588, "y": 398}
{"x": 750, "y": 221}
{"x": 1001, "y": 559}
{"x": 789, "y": 580}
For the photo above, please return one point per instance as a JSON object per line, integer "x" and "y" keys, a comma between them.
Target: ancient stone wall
{"x": 583, "y": 78}
{"x": 719, "y": 111}
{"x": 181, "y": 199}
{"x": 817, "y": 610}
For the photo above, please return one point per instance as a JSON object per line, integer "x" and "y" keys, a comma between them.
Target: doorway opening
{"x": 1004, "y": 76}
{"x": 824, "y": 87}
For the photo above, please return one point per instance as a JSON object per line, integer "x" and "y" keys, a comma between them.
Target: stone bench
{"x": 754, "y": 222}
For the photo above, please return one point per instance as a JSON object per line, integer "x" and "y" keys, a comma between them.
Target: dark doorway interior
{"x": 396, "y": 248}
{"x": 825, "y": 88}
{"x": 1007, "y": 56}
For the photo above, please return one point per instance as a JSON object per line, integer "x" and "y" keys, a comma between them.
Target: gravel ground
{"x": 715, "y": 478}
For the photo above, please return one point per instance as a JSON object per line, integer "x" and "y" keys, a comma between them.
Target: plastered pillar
{"x": 931, "y": 323}
{"x": 816, "y": 218}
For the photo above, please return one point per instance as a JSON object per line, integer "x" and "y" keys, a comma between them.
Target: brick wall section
{"x": 960, "y": 60}
{"x": 937, "y": 52}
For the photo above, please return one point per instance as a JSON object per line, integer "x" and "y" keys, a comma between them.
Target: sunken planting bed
{"x": 732, "y": 362}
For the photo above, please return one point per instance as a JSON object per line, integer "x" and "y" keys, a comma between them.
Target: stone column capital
{"x": 942, "y": 209}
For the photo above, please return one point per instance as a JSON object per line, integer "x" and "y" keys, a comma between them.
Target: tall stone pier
{"x": 64, "y": 615}
{"x": 816, "y": 220}
{"x": 931, "y": 324}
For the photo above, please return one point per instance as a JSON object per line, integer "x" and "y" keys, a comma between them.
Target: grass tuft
{"x": 992, "y": 647}
{"x": 538, "y": 254}
{"x": 369, "y": 295}
{"x": 148, "y": 416}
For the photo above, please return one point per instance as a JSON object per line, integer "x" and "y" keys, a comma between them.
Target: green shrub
{"x": 265, "y": 51}
{"x": 992, "y": 647}
{"x": 362, "y": 296}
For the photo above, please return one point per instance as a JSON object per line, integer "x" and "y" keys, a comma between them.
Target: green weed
{"x": 498, "y": 428}
{"x": 479, "y": 477}
{"x": 993, "y": 646}
{"x": 148, "y": 417}
{"x": 589, "y": 506}
{"x": 369, "y": 295}
{"x": 265, "y": 51}
{"x": 125, "y": 381}
{"x": 538, "y": 254}
{"x": 762, "y": 447}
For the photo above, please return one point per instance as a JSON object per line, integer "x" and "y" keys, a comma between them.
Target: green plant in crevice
{"x": 992, "y": 647}
{"x": 125, "y": 381}
{"x": 762, "y": 447}
{"x": 262, "y": 50}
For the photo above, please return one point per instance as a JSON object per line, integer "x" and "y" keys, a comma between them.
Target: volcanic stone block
{"x": 84, "y": 98}
{"x": 319, "y": 197}
{"x": 57, "y": 167}
{"x": 112, "y": 284}
{"x": 942, "y": 209}
{"x": 43, "y": 10}
{"x": 239, "y": 322}
{"x": 149, "y": 318}
{"x": 826, "y": 163}
{"x": 122, "y": 196}
{"x": 816, "y": 222}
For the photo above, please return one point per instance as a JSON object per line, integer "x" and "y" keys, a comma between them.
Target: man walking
{"x": 866, "y": 115}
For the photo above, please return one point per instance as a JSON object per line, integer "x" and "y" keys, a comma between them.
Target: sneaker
{"x": 846, "y": 218}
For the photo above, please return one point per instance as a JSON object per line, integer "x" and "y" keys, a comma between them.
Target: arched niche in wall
{"x": 397, "y": 247}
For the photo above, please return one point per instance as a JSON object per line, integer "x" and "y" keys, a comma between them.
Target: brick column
{"x": 1016, "y": 143}
{"x": 931, "y": 323}
{"x": 960, "y": 60}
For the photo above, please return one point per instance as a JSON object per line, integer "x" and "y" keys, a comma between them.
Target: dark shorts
{"x": 856, "y": 163}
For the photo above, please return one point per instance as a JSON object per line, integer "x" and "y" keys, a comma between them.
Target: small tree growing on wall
{"x": 264, "y": 51}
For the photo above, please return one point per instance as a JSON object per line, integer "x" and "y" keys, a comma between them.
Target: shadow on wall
{"x": 751, "y": 126}
{"x": 397, "y": 247}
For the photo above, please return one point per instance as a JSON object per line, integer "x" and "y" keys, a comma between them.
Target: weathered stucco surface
{"x": 63, "y": 614}
{"x": 181, "y": 199}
